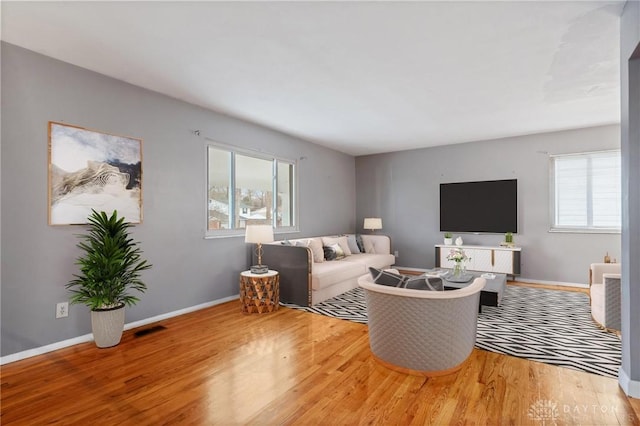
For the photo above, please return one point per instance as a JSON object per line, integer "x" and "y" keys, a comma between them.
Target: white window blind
{"x": 585, "y": 192}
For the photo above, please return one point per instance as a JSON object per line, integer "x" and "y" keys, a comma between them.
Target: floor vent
{"x": 150, "y": 330}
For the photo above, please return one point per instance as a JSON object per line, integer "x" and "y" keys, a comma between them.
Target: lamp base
{"x": 259, "y": 269}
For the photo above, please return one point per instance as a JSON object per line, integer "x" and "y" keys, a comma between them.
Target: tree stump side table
{"x": 259, "y": 293}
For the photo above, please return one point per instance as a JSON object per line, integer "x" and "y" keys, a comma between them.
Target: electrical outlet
{"x": 62, "y": 310}
{"x": 396, "y": 253}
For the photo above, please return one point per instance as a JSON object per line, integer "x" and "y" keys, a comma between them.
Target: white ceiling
{"x": 359, "y": 77}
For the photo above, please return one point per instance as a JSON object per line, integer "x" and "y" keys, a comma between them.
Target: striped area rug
{"x": 550, "y": 326}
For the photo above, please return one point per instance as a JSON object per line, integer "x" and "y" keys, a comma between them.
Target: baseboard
{"x": 630, "y": 387}
{"x": 89, "y": 337}
{"x": 517, "y": 279}
{"x": 558, "y": 283}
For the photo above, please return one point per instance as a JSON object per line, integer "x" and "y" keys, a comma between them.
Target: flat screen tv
{"x": 488, "y": 206}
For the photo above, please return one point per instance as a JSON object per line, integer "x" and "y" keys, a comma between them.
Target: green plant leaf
{"x": 110, "y": 266}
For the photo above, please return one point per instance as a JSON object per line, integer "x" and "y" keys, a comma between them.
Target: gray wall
{"x": 630, "y": 97}
{"x": 403, "y": 189}
{"x": 38, "y": 260}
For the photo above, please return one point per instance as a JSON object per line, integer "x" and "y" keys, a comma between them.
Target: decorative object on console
{"x": 372, "y": 223}
{"x": 448, "y": 238}
{"x": 508, "y": 240}
{"x": 459, "y": 241}
{"x": 458, "y": 256}
{"x": 258, "y": 234}
{"x": 607, "y": 259}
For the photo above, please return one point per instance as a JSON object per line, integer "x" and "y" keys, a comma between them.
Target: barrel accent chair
{"x": 421, "y": 332}
{"x": 605, "y": 295}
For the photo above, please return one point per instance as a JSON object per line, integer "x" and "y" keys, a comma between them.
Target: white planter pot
{"x": 107, "y": 326}
{"x": 448, "y": 241}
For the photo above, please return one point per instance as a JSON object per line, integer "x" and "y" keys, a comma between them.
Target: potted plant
{"x": 109, "y": 269}
{"x": 508, "y": 238}
{"x": 448, "y": 238}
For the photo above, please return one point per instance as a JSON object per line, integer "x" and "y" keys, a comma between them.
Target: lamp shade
{"x": 258, "y": 234}
{"x": 372, "y": 223}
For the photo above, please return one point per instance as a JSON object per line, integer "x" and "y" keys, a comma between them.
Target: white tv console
{"x": 504, "y": 260}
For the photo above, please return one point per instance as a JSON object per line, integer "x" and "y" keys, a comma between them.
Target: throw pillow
{"x": 316, "y": 248}
{"x": 424, "y": 283}
{"x": 333, "y": 252}
{"x": 342, "y": 241}
{"x": 406, "y": 281}
{"x": 386, "y": 278}
{"x": 360, "y": 243}
{"x": 329, "y": 253}
{"x": 353, "y": 244}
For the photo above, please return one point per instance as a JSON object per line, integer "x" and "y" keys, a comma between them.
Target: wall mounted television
{"x": 487, "y": 206}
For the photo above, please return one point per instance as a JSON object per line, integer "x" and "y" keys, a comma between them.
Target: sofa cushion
{"x": 342, "y": 241}
{"x": 373, "y": 244}
{"x": 329, "y": 273}
{"x": 379, "y": 261}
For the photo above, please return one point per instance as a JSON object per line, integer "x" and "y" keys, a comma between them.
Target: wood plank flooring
{"x": 220, "y": 367}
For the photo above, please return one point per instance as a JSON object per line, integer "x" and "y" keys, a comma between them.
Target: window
{"x": 241, "y": 188}
{"x": 585, "y": 192}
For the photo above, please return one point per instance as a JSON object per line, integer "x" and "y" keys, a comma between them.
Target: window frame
{"x": 233, "y": 150}
{"x": 589, "y": 229}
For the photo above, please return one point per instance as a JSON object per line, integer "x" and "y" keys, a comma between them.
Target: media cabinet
{"x": 504, "y": 260}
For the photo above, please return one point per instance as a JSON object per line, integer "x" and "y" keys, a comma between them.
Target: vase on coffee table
{"x": 458, "y": 270}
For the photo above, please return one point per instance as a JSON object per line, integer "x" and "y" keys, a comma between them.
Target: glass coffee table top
{"x": 496, "y": 282}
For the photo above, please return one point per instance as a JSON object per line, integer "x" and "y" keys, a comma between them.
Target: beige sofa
{"x": 306, "y": 280}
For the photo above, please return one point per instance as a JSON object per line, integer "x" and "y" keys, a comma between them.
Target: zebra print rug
{"x": 550, "y": 326}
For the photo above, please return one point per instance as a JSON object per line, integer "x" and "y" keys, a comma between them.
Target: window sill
{"x": 585, "y": 230}
{"x": 212, "y": 235}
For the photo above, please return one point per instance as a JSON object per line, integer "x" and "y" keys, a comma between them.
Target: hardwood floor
{"x": 218, "y": 366}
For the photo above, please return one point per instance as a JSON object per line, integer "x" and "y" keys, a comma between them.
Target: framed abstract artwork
{"x": 93, "y": 170}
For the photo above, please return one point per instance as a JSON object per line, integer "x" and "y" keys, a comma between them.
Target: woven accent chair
{"x": 605, "y": 294}
{"x": 421, "y": 332}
